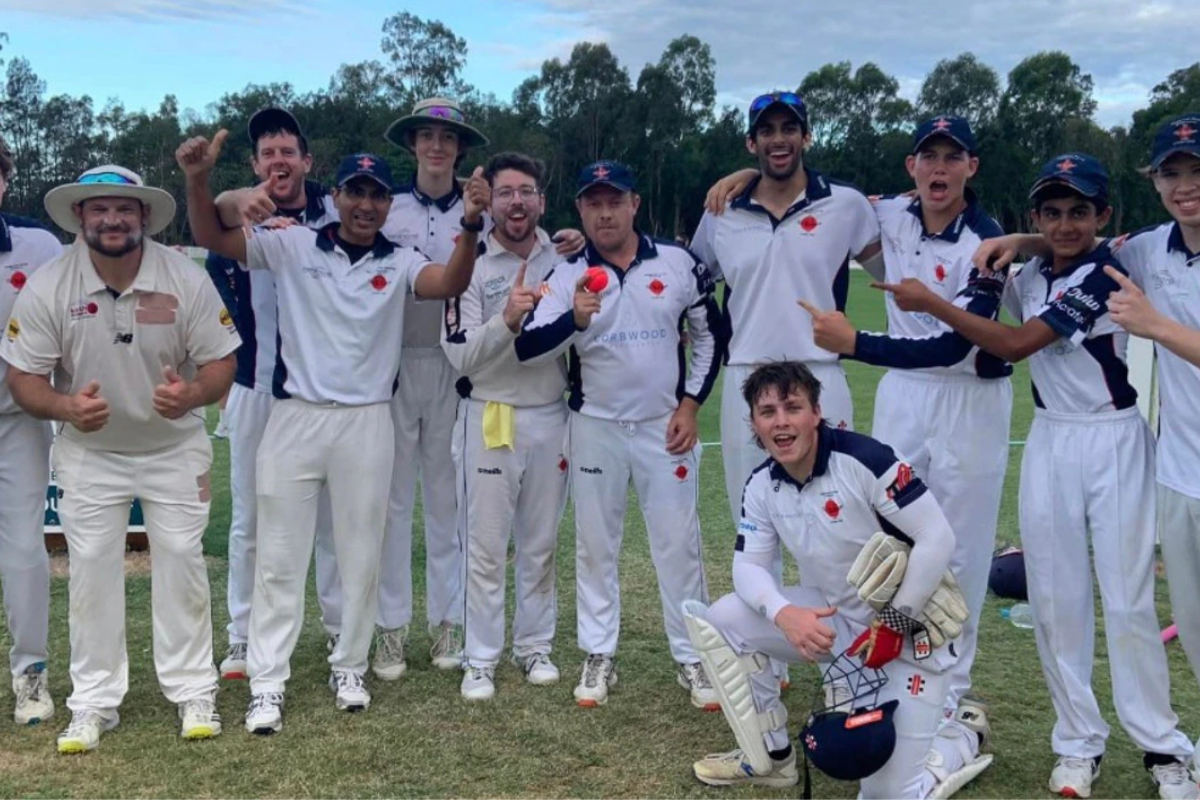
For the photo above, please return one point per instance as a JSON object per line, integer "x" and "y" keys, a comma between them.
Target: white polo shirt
{"x": 1160, "y": 263}
{"x": 1084, "y": 371}
{"x": 630, "y": 364}
{"x": 768, "y": 264}
{"x": 857, "y": 487}
{"x": 942, "y": 261}
{"x": 67, "y": 322}
{"x": 479, "y": 343}
{"x": 339, "y": 323}
{"x": 23, "y": 248}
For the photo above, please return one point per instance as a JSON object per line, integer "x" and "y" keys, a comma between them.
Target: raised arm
{"x": 196, "y": 158}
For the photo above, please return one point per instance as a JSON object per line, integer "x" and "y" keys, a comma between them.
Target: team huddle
{"x": 371, "y": 333}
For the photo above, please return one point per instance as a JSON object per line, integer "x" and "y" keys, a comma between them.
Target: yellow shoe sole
{"x": 201, "y": 732}
{"x": 71, "y": 747}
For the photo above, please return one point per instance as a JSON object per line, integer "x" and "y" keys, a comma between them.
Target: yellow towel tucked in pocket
{"x": 499, "y": 424}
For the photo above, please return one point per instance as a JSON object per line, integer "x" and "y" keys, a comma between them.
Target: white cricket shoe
{"x": 447, "y": 650}
{"x": 1174, "y": 782}
{"x": 32, "y": 690}
{"x": 233, "y": 666}
{"x": 352, "y": 694}
{"x": 83, "y": 734}
{"x": 1073, "y": 777}
{"x": 599, "y": 675}
{"x": 389, "y": 663}
{"x": 479, "y": 683}
{"x": 200, "y": 719}
{"x": 693, "y": 678}
{"x": 265, "y": 714}
{"x": 538, "y": 668}
{"x": 731, "y": 769}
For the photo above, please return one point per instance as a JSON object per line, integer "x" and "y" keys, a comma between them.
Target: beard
{"x": 133, "y": 240}
{"x": 784, "y": 174}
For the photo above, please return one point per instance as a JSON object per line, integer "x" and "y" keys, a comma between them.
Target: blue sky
{"x": 140, "y": 50}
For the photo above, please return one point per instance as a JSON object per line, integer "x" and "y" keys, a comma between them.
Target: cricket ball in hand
{"x": 597, "y": 280}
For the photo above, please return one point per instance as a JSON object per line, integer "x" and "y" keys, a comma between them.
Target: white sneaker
{"x": 83, "y": 734}
{"x": 389, "y": 663}
{"x": 730, "y": 769}
{"x": 265, "y": 714}
{"x": 233, "y": 667}
{"x": 1174, "y": 782}
{"x": 447, "y": 650}
{"x": 538, "y": 668}
{"x": 599, "y": 675}
{"x": 1072, "y": 777}
{"x": 200, "y": 719}
{"x": 693, "y": 678}
{"x": 479, "y": 683}
{"x": 32, "y": 689}
{"x": 972, "y": 715}
{"x": 352, "y": 694}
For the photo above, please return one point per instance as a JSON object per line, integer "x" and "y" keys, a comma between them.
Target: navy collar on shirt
{"x": 6, "y": 244}
{"x": 443, "y": 203}
{"x": 314, "y": 208}
{"x": 817, "y": 189}
{"x": 1175, "y": 242}
{"x": 326, "y": 241}
{"x": 820, "y": 466}
{"x": 646, "y": 250}
{"x": 1100, "y": 255}
{"x": 969, "y": 218}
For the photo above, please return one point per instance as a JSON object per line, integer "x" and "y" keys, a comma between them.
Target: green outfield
{"x": 420, "y": 739}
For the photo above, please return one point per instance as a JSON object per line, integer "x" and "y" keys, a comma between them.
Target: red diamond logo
{"x": 809, "y": 223}
{"x": 17, "y": 280}
{"x": 92, "y": 308}
{"x": 832, "y": 509}
{"x": 939, "y": 272}
{"x": 657, "y": 287}
{"x": 379, "y": 283}
{"x": 562, "y": 465}
{"x": 681, "y": 472}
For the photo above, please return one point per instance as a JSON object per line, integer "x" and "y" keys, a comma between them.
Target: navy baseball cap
{"x": 607, "y": 173}
{"x": 1177, "y": 136}
{"x": 789, "y": 101}
{"x": 1080, "y": 171}
{"x": 365, "y": 165}
{"x": 956, "y": 129}
{"x": 1007, "y": 575}
{"x": 271, "y": 119}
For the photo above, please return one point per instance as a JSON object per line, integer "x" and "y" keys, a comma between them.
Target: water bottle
{"x": 1020, "y": 615}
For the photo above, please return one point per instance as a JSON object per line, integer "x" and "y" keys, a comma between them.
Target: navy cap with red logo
{"x": 956, "y": 129}
{"x": 605, "y": 173}
{"x": 365, "y": 165}
{"x": 1081, "y": 172}
{"x": 1180, "y": 135}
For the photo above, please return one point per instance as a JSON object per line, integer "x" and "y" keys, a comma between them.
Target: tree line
{"x": 665, "y": 124}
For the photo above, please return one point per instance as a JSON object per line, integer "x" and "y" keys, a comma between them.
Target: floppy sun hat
{"x": 434, "y": 109}
{"x": 109, "y": 180}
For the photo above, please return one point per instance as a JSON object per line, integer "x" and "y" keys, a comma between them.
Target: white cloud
{"x": 146, "y": 10}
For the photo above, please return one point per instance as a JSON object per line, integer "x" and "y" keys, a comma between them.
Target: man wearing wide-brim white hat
{"x": 138, "y": 342}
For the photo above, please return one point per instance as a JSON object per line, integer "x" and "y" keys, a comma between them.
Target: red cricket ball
{"x": 597, "y": 280}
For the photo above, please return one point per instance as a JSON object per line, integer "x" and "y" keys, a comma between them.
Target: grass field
{"x": 420, "y": 739}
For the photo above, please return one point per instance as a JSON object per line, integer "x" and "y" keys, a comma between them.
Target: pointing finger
{"x": 520, "y": 279}
{"x": 1122, "y": 279}
{"x": 810, "y": 308}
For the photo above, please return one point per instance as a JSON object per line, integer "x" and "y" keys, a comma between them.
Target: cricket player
{"x": 790, "y": 234}
{"x": 822, "y": 493}
{"x": 633, "y": 414}
{"x": 341, "y": 304}
{"x": 281, "y": 162}
{"x": 24, "y": 474}
{"x": 944, "y": 403}
{"x": 138, "y": 344}
{"x": 509, "y": 437}
{"x": 1088, "y": 468}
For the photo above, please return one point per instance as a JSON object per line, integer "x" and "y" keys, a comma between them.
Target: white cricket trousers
{"x": 519, "y": 490}
{"x": 305, "y": 448}
{"x": 1179, "y": 534}
{"x": 919, "y": 687}
{"x": 98, "y": 488}
{"x": 738, "y": 449}
{"x": 246, "y": 415}
{"x": 423, "y": 411}
{"x": 604, "y": 456}
{"x": 1095, "y": 473}
{"x": 954, "y": 430}
{"x": 24, "y": 566}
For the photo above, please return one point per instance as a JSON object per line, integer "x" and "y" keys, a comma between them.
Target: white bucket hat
{"x": 109, "y": 180}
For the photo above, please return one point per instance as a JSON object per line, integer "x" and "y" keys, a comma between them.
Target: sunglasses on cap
{"x": 787, "y": 98}
{"x": 443, "y": 112}
{"x": 107, "y": 177}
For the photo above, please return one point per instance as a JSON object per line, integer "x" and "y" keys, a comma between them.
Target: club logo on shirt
{"x": 225, "y": 318}
{"x": 681, "y": 472}
{"x": 84, "y": 309}
{"x": 17, "y": 280}
{"x": 939, "y": 273}
{"x": 904, "y": 476}
{"x": 562, "y": 464}
{"x": 656, "y": 287}
{"x": 379, "y": 283}
{"x": 809, "y": 224}
{"x": 833, "y": 509}
{"x": 14, "y": 329}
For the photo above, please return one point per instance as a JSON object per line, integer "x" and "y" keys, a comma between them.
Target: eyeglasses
{"x": 108, "y": 177}
{"x": 787, "y": 98}
{"x": 443, "y": 112}
{"x": 505, "y": 195}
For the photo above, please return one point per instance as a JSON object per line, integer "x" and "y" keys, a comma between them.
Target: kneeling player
{"x": 822, "y": 494}
{"x": 1088, "y": 467}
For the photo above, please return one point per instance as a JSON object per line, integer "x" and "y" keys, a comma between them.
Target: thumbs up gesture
{"x": 87, "y": 410}
{"x": 197, "y": 155}
{"x": 477, "y": 196}
{"x": 521, "y": 300}
{"x": 174, "y": 397}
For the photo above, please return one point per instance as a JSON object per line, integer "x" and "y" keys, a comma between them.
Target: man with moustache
{"x": 508, "y": 439}
{"x": 139, "y": 344}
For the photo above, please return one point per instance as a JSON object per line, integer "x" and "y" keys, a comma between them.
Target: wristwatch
{"x": 467, "y": 226}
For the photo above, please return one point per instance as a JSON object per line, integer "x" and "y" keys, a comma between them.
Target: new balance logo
{"x": 490, "y": 471}
{"x": 591, "y": 470}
